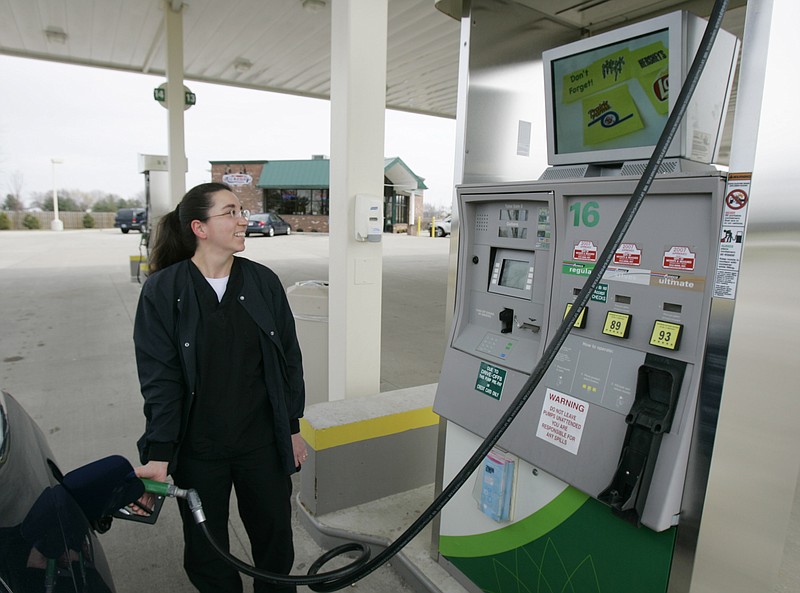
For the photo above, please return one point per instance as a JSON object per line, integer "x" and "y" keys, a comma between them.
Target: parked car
{"x": 443, "y": 226}
{"x": 47, "y": 543}
{"x": 131, "y": 218}
{"x": 268, "y": 223}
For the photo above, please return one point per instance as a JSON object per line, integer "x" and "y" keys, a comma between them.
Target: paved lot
{"x": 66, "y": 353}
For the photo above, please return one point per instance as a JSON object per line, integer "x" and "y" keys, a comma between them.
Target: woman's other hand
{"x": 300, "y": 450}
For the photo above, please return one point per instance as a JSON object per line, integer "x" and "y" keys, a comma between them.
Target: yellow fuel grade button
{"x": 580, "y": 322}
{"x": 666, "y": 335}
{"x": 617, "y": 324}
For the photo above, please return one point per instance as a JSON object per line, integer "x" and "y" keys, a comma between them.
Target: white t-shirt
{"x": 219, "y": 285}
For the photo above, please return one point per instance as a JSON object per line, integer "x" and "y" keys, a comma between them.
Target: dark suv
{"x": 131, "y": 218}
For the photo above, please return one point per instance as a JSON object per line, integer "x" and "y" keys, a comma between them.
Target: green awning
{"x": 315, "y": 174}
{"x": 305, "y": 174}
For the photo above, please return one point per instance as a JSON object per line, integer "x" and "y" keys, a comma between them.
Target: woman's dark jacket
{"x": 165, "y": 339}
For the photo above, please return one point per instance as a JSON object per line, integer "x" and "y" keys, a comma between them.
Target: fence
{"x": 71, "y": 220}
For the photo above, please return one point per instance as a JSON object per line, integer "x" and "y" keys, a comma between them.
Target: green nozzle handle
{"x": 154, "y": 487}
{"x": 163, "y": 488}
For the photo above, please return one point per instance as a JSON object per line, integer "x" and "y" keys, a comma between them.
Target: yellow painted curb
{"x": 335, "y": 436}
{"x": 143, "y": 265}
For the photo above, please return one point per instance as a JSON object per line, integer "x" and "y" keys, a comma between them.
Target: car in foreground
{"x": 267, "y": 224}
{"x": 46, "y": 541}
{"x": 442, "y": 228}
{"x": 128, "y": 219}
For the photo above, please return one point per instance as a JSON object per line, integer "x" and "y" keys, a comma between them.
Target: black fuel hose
{"x": 357, "y": 570}
{"x": 312, "y": 578}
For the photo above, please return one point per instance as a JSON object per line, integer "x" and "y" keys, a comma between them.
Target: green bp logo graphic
{"x": 572, "y": 545}
{"x": 546, "y": 572}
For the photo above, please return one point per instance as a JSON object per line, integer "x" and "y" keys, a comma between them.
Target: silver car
{"x": 267, "y": 224}
{"x": 442, "y": 228}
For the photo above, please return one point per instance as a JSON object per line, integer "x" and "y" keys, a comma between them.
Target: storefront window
{"x": 297, "y": 201}
{"x": 401, "y": 209}
{"x": 319, "y": 202}
{"x": 272, "y": 200}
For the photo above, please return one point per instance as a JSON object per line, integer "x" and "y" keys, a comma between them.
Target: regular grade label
{"x": 577, "y": 268}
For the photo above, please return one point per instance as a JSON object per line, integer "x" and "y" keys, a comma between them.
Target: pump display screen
{"x": 514, "y": 274}
{"x": 614, "y": 96}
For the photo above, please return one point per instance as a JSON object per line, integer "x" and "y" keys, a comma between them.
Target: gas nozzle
{"x": 171, "y": 490}
{"x": 195, "y": 505}
{"x": 164, "y": 489}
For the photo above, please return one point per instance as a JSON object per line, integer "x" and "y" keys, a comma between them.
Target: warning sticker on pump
{"x": 736, "y": 199}
{"x": 628, "y": 254}
{"x": 585, "y": 251}
{"x": 731, "y": 240}
{"x": 562, "y": 420}
{"x": 679, "y": 258}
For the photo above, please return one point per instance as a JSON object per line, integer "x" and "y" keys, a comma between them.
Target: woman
{"x": 221, "y": 374}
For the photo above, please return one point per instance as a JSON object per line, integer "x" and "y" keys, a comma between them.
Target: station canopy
{"x": 280, "y": 45}
{"x": 273, "y": 45}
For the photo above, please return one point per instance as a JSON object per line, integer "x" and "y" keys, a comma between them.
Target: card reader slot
{"x": 658, "y": 385}
{"x": 506, "y": 318}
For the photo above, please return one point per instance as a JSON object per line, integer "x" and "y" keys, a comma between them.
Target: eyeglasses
{"x": 233, "y": 213}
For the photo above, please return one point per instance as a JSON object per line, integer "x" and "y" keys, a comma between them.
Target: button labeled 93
{"x": 666, "y": 335}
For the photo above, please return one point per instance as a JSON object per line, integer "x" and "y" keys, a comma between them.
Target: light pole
{"x": 56, "y": 224}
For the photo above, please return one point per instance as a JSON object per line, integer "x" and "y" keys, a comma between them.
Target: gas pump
{"x": 155, "y": 168}
{"x": 592, "y": 474}
{"x": 608, "y": 431}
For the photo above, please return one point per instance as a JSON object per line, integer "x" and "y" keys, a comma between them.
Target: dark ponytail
{"x": 175, "y": 241}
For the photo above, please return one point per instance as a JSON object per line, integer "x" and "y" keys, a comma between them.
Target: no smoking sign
{"x": 736, "y": 199}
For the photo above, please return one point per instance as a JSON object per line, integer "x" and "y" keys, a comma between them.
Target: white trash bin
{"x": 309, "y": 302}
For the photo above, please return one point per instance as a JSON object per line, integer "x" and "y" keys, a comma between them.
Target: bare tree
{"x": 14, "y": 197}
{"x": 11, "y": 203}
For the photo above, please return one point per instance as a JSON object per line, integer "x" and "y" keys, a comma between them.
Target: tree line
{"x": 73, "y": 201}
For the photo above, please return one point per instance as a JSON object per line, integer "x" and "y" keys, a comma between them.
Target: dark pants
{"x": 263, "y": 493}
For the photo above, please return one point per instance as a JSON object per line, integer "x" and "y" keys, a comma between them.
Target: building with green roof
{"x": 299, "y": 190}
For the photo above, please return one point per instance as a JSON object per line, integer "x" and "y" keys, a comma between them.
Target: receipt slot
{"x": 601, "y": 449}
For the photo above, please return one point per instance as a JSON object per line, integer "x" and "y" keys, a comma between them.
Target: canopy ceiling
{"x": 281, "y": 45}
{"x": 273, "y": 45}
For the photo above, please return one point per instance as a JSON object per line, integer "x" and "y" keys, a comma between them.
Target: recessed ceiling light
{"x": 242, "y": 65}
{"x": 56, "y": 35}
{"x": 314, "y": 5}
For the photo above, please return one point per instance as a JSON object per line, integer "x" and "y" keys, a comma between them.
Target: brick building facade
{"x": 298, "y": 191}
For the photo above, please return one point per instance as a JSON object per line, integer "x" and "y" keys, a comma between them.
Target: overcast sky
{"x": 98, "y": 121}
